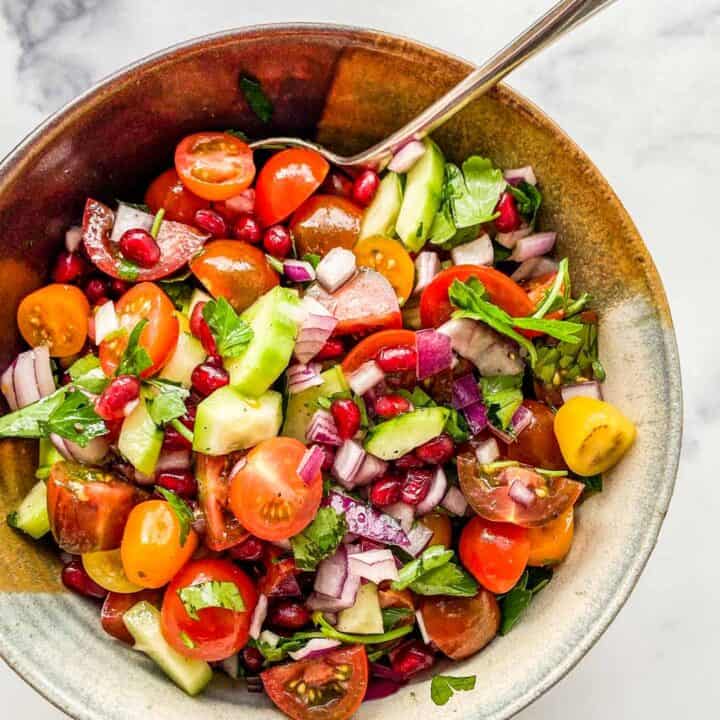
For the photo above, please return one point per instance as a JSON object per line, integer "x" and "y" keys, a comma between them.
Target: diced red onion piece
{"x": 476, "y": 416}
{"x": 106, "y": 321}
{"x": 311, "y": 464}
{"x": 298, "y": 271}
{"x": 534, "y": 267}
{"x": 434, "y": 353}
{"x": 24, "y": 380}
{"x": 237, "y": 467}
{"x": 419, "y": 536}
{"x": 533, "y": 246}
{"x": 7, "y": 386}
{"x": 427, "y": 266}
{"x": 129, "y": 218}
{"x": 421, "y": 626}
{"x": 73, "y": 238}
{"x": 348, "y": 461}
{"x": 242, "y": 203}
{"x": 589, "y": 389}
{"x": 509, "y": 240}
{"x": 477, "y": 252}
{"x": 407, "y": 156}
{"x": 455, "y": 502}
{"x": 521, "y": 494}
{"x": 516, "y": 175}
{"x": 487, "y": 451}
{"x": 461, "y": 332}
{"x": 336, "y": 268}
{"x": 173, "y": 460}
{"x": 465, "y": 392}
{"x": 43, "y": 371}
{"x": 322, "y": 429}
{"x": 374, "y": 565}
{"x": 370, "y": 469}
{"x": 436, "y": 492}
{"x": 301, "y": 377}
{"x": 313, "y": 334}
{"x": 284, "y": 544}
{"x": 258, "y": 616}
{"x": 328, "y": 603}
{"x": 403, "y": 513}
{"x": 366, "y": 377}
{"x": 231, "y": 666}
{"x": 521, "y": 418}
{"x": 314, "y": 646}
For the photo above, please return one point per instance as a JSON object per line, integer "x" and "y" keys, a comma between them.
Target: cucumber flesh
{"x": 195, "y": 298}
{"x": 31, "y": 515}
{"x": 382, "y": 213}
{"x": 141, "y": 439}
{"x": 143, "y": 623}
{"x": 365, "y": 616}
{"x": 423, "y": 192}
{"x": 397, "y": 437}
{"x": 47, "y": 457}
{"x": 188, "y": 354}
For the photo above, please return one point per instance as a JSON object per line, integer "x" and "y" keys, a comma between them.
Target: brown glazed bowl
{"x": 348, "y": 88}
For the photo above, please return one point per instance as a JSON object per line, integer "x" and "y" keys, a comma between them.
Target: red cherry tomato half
{"x": 368, "y": 348}
{"x": 214, "y": 165}
{"x": 167, "y": 192}
{"x": 435, "y": 306}
{"x": 218, "y": 632}
{"x": 338, "y": 681}
{"x": 286, "y": 181}
{"x": 495, "y": 553}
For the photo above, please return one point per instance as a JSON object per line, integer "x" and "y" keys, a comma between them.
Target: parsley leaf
{"x": 75, "y": 419}
{"x": 514, "y": 603}
{"x": 433, "y": 573}
{"x": 312, "y": 258}
{"x": 168, "y": 402}
{"x": 593, "y": 484}
{"x": 502, "y": 396}
{"x": 127, "y": 270}
{"x": 238, "y": 134}
{"x": 256, "y": 98}
{"x": 211, "y": 594}
{"x": 391, "y": 616}
{"x": 485, "y": 184}
{"x": 443, "y": 687}
{"x": 87, "y": 374}
{"x": 528, "y": 199}
{"x": 181, "y": 509}
{"x": 230, "y": 332}
{"x": 135, "y": 359}
{"x": 178, "y": 291}
{"x": 318, "y": 540}
{"x": 30, "y": 421}
{"x": 456, "y": 426}
{"x": 433, "y": 557}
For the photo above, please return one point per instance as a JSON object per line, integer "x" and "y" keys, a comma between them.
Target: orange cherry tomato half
{"x": 57, "y": 316}
{"x": 145, "y": 301}
{"x": 286, "y": 181}
{"x": 495, "y": 553}
{"x": 368, "y": 348}
{"x": 537, "y": 445}
{"x": 235, "y": 270}
{"x": 268, "y": 496}
{"x": 324, "y": 222}
{"x": 550, "y": 543}
{"x": 435, "y": 306}
{"x": 441, "y": 528}
{"x": 391, "y": 259}
{"x": 214, "y": 165}
{"x": 151, "y": 549}
{"x": 218, "y": 632}
{"x": 338, "y": 681}
{"x": 166, "y": 191}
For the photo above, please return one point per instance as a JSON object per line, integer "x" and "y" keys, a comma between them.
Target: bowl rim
{"x": 14, "y": 161}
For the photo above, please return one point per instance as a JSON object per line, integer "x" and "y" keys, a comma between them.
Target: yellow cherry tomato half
{"x": 106, "y": 569}
{"x": 389, "y": 258}
{"x": 593, "y": 435}
{"x": 152, "y": 550}
{"x": 550, "y": 543}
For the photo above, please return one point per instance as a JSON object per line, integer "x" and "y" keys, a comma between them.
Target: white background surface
{"x": 639, "y": 89}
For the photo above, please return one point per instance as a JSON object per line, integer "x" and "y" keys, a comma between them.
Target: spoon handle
{"x": 560, "y": 19}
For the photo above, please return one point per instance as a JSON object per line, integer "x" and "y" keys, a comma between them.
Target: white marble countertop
{"x": 639, "y": 89}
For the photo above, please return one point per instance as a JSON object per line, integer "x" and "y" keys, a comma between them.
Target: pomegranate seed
{"x": 416, "y": 487}
{"x": 252, "y": 660}
{"x": 410, "y": 460}
{"x": 509, "y": 219}
{"x": 388, "y": 406}
{"x": 385, "y": 491}
{"x": 95, "y": 290}
{"x": 333, "y": 348}
{"x": 118, "y": 287}
{"x": 365, "y": 187}
{"x": 139, "y": 246}
{"x": 412, "y": 658}
{"x": 201, "y": 330}
{"x": 250, "y": 550}
{"x": 347, "y": 417}
{"x": 397, "y": 359}
{"x": 288, "y": 615}
{"x": 173, "y": 439}
{"x": 68, "y": 268}
{"x": 116, "y": 396}
{"x": 277, "y": 241}
{"x": 437, "y": 451}
{"x": 211, "y": 222}
{"x": 181, "y": 482}
{"x": 207, "y": 378}
{"x": 248, "y": 228}
{"x": 76, "y": 579}
{"x": 337, "y": 183}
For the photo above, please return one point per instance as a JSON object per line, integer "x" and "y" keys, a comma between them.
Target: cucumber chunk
{"x": 382, "y": 213}
{"x": 47, "y": 457}
{"x": 365, "y": 616}
{"x": 31, "y": 515}
{"x": 143, "y": 623}
{"x": 397, "y": 437}
{"x": 188, "y": 354}
{"x": 141, "y": 439}
{"x": 423, "y": 192}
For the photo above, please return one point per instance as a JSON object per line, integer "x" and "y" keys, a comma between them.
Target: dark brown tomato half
{"x": 537, "y": 445}
{"x": 460, "y": 627}
{"x": 117, "y": 604}
{"x": 178, "y": 244}
{"x": 324, "y": 222}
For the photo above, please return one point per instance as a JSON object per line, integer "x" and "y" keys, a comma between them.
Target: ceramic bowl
{"x": 348, "y": 88}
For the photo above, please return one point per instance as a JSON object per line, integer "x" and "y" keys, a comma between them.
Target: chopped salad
{"x": 310, "y": 428}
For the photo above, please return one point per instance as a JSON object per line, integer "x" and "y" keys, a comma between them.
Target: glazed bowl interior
{"x": 347, "y": 88}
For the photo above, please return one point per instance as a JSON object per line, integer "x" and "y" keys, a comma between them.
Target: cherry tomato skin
{"x": 151, "y": 548}
{"x": 369, "y": 348}
{"x": 167, "y": 192}
{"x": 286, "y": 180}
{"x": 344, "y": 669}
{"x": 537, "y": 445}
{"x": 550, "y": 543}
{"x": 495, "y": 553}
{"x": 441, "y": 528}
{"x": 268, "y": 496}
{"x": 218, "y": 633}
{"x": 324, "y": 222}
{"x": 390, "y": 258}
{"x": 214, "y": 166}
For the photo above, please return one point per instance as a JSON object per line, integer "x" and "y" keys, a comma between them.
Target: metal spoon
{"x": 559, "y": 20}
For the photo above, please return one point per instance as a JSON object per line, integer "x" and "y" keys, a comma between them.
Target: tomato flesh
{"x": 390, "y": 258}
{"x": 369, "y": 347}
{"x": 537, "y": 445}
{"x": 168, "y": 193}
{"x": 324, "y": 222}
{"x": 330, "y": 687}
